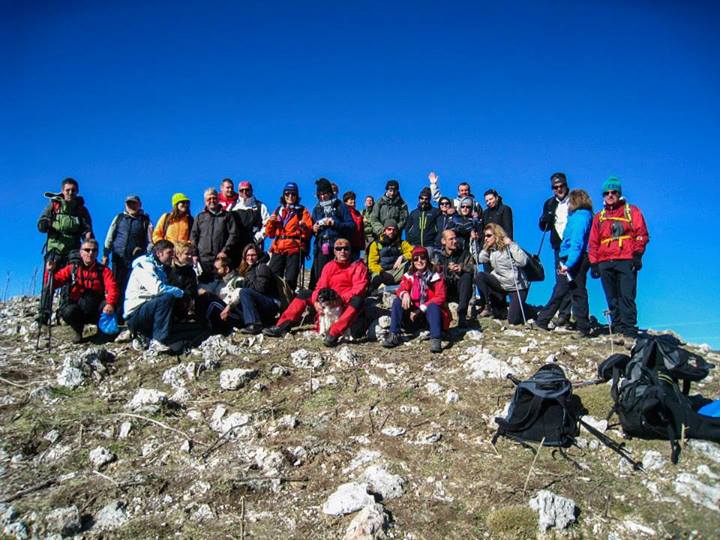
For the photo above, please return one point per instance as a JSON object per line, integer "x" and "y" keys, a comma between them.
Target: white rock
{"x": 299, "y": 454}
{"x": 376, "y": 380}
{"x": 279, "y": 371}
{"x": 689, "y": 486}
{"x": 347, "y": 498}
{"x": 483, "y": 365}
{"x": 270, "y": 461}
{"x": 363, "y": 457}
{"x": 111, "y": 516}
{"x": 186, "y": 446}
{"x": 711, "y": 450}
{"x": 380, "y": 481}
{"x": 70, "y": 377}
{"x": 203, "y": 513}
{"x": 101, "y": 456}
{"x": 553, "y": 510}
{"x": 222, "y": 423}
{"x": 181, "y": 395}
{"x": 653, "y": 460}
{"x": 65, "y": 521}
{"x": 331, "y": 380}
{"x": 637, "y": 528}
{"x": 410, "y": 409}
{"x": 17, "y": 530}
{"x": 232, "y": 379}
{"x": 56, "y": 453}
{"x": 52, "y": 436}
{"x": 451, "y": 396}
{"x": 394, "y": 431}
{"x": 9, "y": 514}
{"x": 287, "y": 421}
{"x": 302, "y": 358}
{"x": 473, "y": 335}
{"x": 346, "y": 357}
{"x": 175, "y": 376}
{"x": 433, "y": 388}
{"x": 369, "y": 524}
{"x": 600, "y": 425}
{"x": 147, "y": 400}
{"x": 428, "y": 438}
{"x": 704, "y": 470}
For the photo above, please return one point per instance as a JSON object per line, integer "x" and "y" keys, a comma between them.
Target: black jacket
{"x": 459, "y": 256}
{"x": 547, "y": 221}
{"x": 421, "y": 227}
{"x": 183, "y": 277}
{"x": 502, "y": 215}
{"x": 260, "y": 278}
{"x": 213, "y": 233}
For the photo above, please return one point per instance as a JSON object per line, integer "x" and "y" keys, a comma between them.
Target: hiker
{"x": 389, "y": 206}
{"x": 367, "y": 225}
{"x": 573, "y": 264}
{"x": 346, "y": 279}
{"x": 618, "y": 238}
{"x": 149, "y": 298}
{"x": 175, "y": 225}
{"x": 457, "y": 268}
{"x": 357, "y": 240}
{"x": 92, "y": 290}
{"x": 463, "y": 191}
{"x": 421, "y": 228}
{"x": 447, "y": 219}
{"x": 290, "y": 227}
{"x": 466, "y": 224}
{"x": 497, "y": 212}
{"x": 67, "y": 222}
{"x": 554, "y": 219}
{"x": 183, "y": 273}
{"x": 331, "y": 220}
{"x": 252, "y": 217}
{"x": 128, "y": 237}
{"x": 218, "y": 294}
{"x": 259, "y": 301}
{"x": 388, "y": 257}
{"x": 214, "y": 232}
{"x": 227, "y": 196}
{"x": 420, "y": 302}
{"x": 506, "y": 277}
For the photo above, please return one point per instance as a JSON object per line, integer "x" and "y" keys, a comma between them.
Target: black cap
{"x": 323, "y": 185}
{"x": 425, "y": 192}
{"x": 558, "y": 178}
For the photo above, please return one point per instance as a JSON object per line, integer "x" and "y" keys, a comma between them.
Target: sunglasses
{"x": 89, "y": 250}
{"x": 558, "y": 187}
{"x": 611, "y": 192}
{"x": 419, "y": 258}
{"x": 466, "y": 207}
{"x": 342, "y": 248}
{"x": 488, "y": 235}
{"x": 444, "y": 204}
{"x": 241, "y": 190}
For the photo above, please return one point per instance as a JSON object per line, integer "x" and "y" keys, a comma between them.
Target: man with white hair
{"x": 252, "y": 216}
{"x": 214, "y": 231}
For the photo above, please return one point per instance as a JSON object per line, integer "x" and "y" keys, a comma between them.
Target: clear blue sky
{"x": 174, "y": 96}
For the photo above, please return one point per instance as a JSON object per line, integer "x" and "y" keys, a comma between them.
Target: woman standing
{"x": 574, "y": 264}
{"x": 506, "y": 277}
{"x": 498, "y": 212}
{"x": 176, "y": 224}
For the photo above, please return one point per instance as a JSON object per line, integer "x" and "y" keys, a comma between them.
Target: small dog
{"x": 331, "y": 304}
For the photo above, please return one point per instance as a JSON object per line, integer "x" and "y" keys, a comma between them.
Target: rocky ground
{"x": 269, "y": 438}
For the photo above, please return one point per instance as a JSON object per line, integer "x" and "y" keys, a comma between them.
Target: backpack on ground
{"x": 649, "y": 401}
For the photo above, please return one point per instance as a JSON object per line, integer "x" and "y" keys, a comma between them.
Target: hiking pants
{"x": 575, "y": 290}
{"x": 86, "y": 310}
{"x": 257, "y": 307}
{"x": 319, "y": 263}
{"x": 215, "y": 306}
{"x": 496, "y": 296}
{"x": 619, "y": 282}
{"x": 121, "y": 268}
{"x": 292, "y": 315}
{"x": 400, "y": 318}
{"x": 387, "y": 277}
{"x": 153, "y": 318}
{"x": 460, "y": 289}
{"x": 563, "y": 307}
{"x": 47, "y": 292}
{"x": 287, "y": 266}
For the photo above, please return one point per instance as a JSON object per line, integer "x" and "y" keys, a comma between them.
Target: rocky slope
{"x": 261, "y": 438}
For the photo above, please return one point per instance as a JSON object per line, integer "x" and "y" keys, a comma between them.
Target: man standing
{"x": 228, "y": 197}
{"x": 128, "y": 237}
{"x": 618, "y": 237}
{"x": 66, "y": 221}
{"x": 456, "y": 264}
{"x": 390, "y": 206}
{"x": 554, "y": 218}
{"x": 463, "y": 191}
{"x": 421, "y": 229}
{"x": 252, "y": 217}
{"x": 366, "y": 213}
{"x": 347, "y": 279}
{"x": 214, "y": 231}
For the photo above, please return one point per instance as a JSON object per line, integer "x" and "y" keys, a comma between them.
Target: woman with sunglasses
{"x": 420, "y": 302}
{"x": 175, "y": 225}
{"x": 290, "y": 227}
{"x": 447, "y": 220}
{"x": 505, "y": 277}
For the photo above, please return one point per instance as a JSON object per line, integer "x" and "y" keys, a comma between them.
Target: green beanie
{"x": 612, "y": 184}
{"x": 179, "y": 197}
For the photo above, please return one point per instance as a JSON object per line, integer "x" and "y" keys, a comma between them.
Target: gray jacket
{"x": 505, "y": 270}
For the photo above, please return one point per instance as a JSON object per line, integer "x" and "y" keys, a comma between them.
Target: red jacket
{"x": 291, "y": 230}
{"x": 347, "y": 280}
{"x": 435, "y": 294}
{"x": 228, "y": 202}
{"x": 358, "y": 237}
{"x": 617, "y": 234}
{"x": 96, "y": 278}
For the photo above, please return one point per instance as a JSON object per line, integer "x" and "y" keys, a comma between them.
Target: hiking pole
{"x": 541, "y": 243}
{"x": 608, "y": 318}
{"x": 517, "y": 290}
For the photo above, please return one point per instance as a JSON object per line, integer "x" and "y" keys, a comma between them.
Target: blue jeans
{"x": 257, "y": 307}
{"x": 399, "y": 318}
{"x": 153, "y": 318}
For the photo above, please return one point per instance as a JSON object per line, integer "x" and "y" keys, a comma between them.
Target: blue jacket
{"x": 575, "y": 237}
{"x": 343, "y": 227}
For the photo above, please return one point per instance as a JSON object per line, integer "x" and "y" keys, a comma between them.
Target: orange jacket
{"x": 175, "y": 231}
{"x": 291, "y": 230}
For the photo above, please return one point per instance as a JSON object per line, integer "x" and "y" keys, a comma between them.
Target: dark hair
{"x": 491, "y": 192}
{"x": 227, "y": 180}
{"x": 444, "y": 199}
{"x": 162, "y": 245}
{"x": 244, "y": 266}
{"x": 69, "y": 180}
{"x": 282, "y": 200}
{"x": 349, "y": 195}
{"x": 558, "y": 177}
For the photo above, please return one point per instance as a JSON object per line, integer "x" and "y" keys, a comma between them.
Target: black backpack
{"x": 649, "y": 401}
{"x": 543, "y": 407}
{"x": 534, "y": 270}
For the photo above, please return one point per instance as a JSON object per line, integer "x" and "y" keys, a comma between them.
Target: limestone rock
{"x": 65, "y": 521}
{"x": 380, "y": 481}
{"x": 101, "y": 456}
{"x": 111, "y": 516}
{"x": 347, "y": 498}
{"x": 369, "y": 524}
{"x": 484, "y": 365}
{"x": 232, "y": 379}
{"x": 653, "y": 460}
{"x": 553, "y": 510}
{"x": 709, "y": 449}
{"x": 689, "y": 486}
{"x": 17, "y": 530}
{"x": 147, "y": 400}
{"x": 451, "y": 396}
{"x": 306, "y": 360}
{"x": 70, "y": 377}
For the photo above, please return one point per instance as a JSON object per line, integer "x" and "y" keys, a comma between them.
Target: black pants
{"x": 287, "y": 266}
{"x": 86, "y": 310}
{"x": 563, "y": 307}
{"x": 460, "y": 290}
{"x": 619, "y": 282}
{"x": 47, "y": 292}
{"x": 319, "y": 263}
{"x": 573, "y": 289}
{"x": 496, "y": 296}
{"x": 121, "y": 269}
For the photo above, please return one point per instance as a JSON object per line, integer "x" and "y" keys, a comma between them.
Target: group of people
{"x": 213, "y": 269}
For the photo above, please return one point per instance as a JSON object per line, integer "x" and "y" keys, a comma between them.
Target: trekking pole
{"x": 517, "y": 290}
{"x": 541, "y": 243}
{"x": 608, "y": 318}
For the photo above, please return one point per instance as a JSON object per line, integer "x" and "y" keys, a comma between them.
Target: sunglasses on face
{"x": 419, "y": 258}
{"x": 488, "y": 235}
{"x": 466, "y": 207}
{"x": 444, "y": 204}
{"x": 558, "y": 187}
{"x": 89, "y": 250}
{"x": 241, "y": 190}
{"x": 342, "y": 248}
{"x": 611, "y": 192}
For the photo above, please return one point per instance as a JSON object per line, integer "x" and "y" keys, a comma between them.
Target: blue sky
{"x": 168, "y": 96}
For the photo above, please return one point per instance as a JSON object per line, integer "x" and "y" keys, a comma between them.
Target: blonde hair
{"x": 579, "y": 198}
{"x": 181, "y": 248}
{"x": 498, "y": 232}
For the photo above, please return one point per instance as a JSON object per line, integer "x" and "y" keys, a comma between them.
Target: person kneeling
{"x": 348, "y": 279}
{"x": 93, "y": 290}
{"x": 421, "y": 299}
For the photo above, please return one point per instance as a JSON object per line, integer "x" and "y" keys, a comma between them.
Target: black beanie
{"x": 425, "y": 192}
{"x": 392, "y": 183}
{"x": 558, "y": 178}
{"x": 323, "y": 185}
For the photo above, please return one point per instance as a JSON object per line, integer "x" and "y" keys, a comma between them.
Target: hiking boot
{"x": 140, "y": 343}
{"x": 562, "y": 320}
{"x": 158, "y": 347}
{"x": 252, "y": 329}
{"x": 391, "y": 341}
{"x": 485, "y": 313}
{"x": 123, "y": 337}
{"x": 462, "y": 322}
{"x": 275, "y": 331}
{"x": 542, "y": 325}
{"x": 435, "y": 345}
{"x": 77, "y": 337}
{"x": 330, "y": 341}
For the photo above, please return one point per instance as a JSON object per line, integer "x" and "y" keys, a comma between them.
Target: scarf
{"x": 418, "y": 291}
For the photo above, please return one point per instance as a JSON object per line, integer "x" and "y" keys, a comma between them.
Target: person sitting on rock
{"x": 346, "y": 278}
{"x": 149, "y": 298}
{"x": 258, "y": 297}
{"x": 92, "y": 290}
{"x": 388, "y": 256}
{"x": 420, "y": 302}
{"x": 457, "y": 266}
{"x": 183, "y": 273}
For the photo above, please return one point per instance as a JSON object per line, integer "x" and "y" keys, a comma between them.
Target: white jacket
{"x": 506, "y": 271}
{"x": 147, "y": 280}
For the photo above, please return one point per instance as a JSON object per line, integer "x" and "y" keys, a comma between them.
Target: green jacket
{"x": 384, "y": 209}
{"x": 66, "y": 223}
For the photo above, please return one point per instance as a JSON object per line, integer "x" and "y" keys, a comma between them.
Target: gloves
{"x": 547, "y": 221}
{"x": 594, "y": 271}
{"x": 637, "y": 262}
{"x": 259, "y": 237}
{"x": 174, "y": 291}
{"x": 43, "y": 225}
